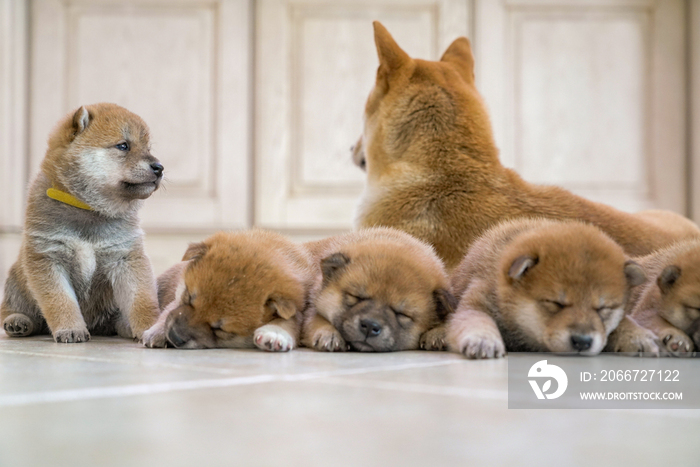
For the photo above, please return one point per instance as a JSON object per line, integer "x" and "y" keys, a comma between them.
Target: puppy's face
{"x": 102, "y": 156}
{"x": 566, "y": 288}
{"x": 415, "y": 101}
{"x": 380, "y": 302}
{"x": 231, "y": 287}
{"x": 679, "y": 286}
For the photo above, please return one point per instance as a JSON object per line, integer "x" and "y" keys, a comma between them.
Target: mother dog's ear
{"x": 445, "y": 303}
{"x": 459, "y": 54}
{"x": 195, "y": 251}
{"x": 391, "y": 56}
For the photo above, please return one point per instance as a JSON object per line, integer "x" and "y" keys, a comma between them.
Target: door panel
{"x": 589, "y": 95}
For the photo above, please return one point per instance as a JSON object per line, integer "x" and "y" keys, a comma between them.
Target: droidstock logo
{"x": 542, "y": 370}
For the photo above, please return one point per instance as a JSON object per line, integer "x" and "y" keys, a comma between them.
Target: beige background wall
{"x": 253, "y": 105}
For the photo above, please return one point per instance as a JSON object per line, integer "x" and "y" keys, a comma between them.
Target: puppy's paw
{"x": 676, "y": 343}
{"x": 480, "y": 344}
{"x": 18, "y": 325}
{"x": 155, "y": 336}
{"x": 435, "y": 339}
{"x": 640, "y": 343}
{"x": 70, "y": 336}
{"x": 273, "y": 338}
{"x": 327, "y": 340}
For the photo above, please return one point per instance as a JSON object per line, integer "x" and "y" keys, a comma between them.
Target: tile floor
{"x": 112, "y": 402}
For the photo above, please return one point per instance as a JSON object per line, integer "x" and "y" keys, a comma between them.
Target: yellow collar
{"x": 67, "y": 198}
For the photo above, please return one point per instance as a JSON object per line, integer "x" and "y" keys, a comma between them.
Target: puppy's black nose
{"x": 370, "y": 328}
{"x": 175, "y": 338}
{"x": 157, "y": 168}
{"x": 581, "y": 342}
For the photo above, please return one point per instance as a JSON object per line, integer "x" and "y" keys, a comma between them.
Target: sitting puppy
{"x": 433, "y": 168}
{"x": 381, "y": 290}
{"x": 237, "y": 290}
{"x": 548, "y": 286}
{"x": 669, "y": 302}
{"x": 82, "y": 267}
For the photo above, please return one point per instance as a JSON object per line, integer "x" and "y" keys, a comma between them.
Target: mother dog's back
{"x": 433, "y": 168}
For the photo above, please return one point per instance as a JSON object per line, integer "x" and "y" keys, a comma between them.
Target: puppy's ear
{"x": 634, "y": 273}
{"x": 195, "y": 251}
{"x": 459, "y": 54}
{"x": 283, "y": 307}
{"x": 391, "y": 56}
{"x": 332, "y": 265}
{"x": 521, "y": 265}
{"x": 668, "y": 278}
{"x": 445, "y": 303}
{"x": 81, "y": 120}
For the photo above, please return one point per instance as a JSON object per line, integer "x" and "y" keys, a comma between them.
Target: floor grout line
{"x": 72, "y": 395}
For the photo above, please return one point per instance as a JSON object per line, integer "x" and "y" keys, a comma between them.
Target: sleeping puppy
{"x": 379, "y": 290}
{"x": 536, "y": 285}
{"x": 668, "y": 304}
{"x": 237, "y": 290}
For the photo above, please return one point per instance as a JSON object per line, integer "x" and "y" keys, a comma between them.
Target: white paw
{"x": 480, "y": 344}
{"x": 155, "y": 336}
{"x": 70, "y": 336}
{"x": 273, "y": 338}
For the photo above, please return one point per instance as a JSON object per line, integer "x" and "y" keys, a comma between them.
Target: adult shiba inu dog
{"x": 540, "y": 285}
{"x": 237, "y": 290}
{"x": 433, "y": 169}
{"x": 82, "y": 267}
{"x": 381, "y": 290}
{"x": 668, "y": 304}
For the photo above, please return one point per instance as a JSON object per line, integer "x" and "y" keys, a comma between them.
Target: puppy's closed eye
{"x": 403, "y": 319}
{"x": 553, "y": 306}
{"x": 352, "y": 300}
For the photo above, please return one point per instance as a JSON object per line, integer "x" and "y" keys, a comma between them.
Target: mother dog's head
{"x": 416, "y": 102}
